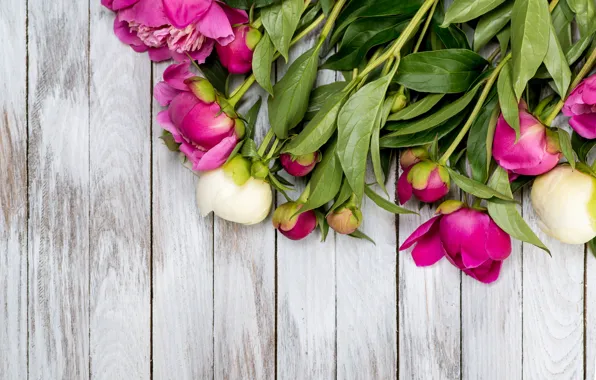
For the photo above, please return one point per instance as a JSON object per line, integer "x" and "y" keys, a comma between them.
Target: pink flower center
{"x": 184, "y": 40}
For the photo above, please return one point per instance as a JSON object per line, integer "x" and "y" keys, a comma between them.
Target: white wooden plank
{"x": 244, "y": 289}
{"x": 120, "y": 243}
{"x": 182, "y": 268}
{"x": 13, "y": 192}
{"x": 492, "y": 323}
{"x": 553, "y": 307}
{"x": 366, "y": 297}
{"x": 306, "y": 288}
{"x": 590, "y": 322}
{"x": 429, "y": 311}
{"x": 59, "y": 190}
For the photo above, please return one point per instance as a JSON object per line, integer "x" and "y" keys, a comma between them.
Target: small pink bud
{"x": 412, "y": 156}
{"x": 299, "y": 166}
{"x": 237, "y": 55}
{"x": 426, "y": 180}
{"x": 292, "y": 226}
{"x": 345, "y": 220}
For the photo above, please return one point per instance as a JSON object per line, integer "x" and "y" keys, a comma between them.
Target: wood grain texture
{"x": 306, "y": 287}
{"x": 244, "y": 289}
{"x": 429, "y": 310}
{"x": 13, "y": 192}
{"x": 120, "y": 201}
{"x": 553, "y": 307}
{"x": 182, "y": 268}
{"x": 491, "y": 321}
{"x": 58, "y": 190}
{"x": 366, "y": 296}
{"x": 590, "y": 321}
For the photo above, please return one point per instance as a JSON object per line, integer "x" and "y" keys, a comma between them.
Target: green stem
{"x": 580, "y": 76}
{"x": 489, "y": 84}
{"x": 331, "y": 21}
{"x": 272, "y": 150}
{"x": 239, "y": 92}
{"x": 425, "y": 27}
{"x": 265, "y": 142}
{"x": 552, "y": 5}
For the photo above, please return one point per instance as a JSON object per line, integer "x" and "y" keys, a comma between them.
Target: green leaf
{"x": 441, "y": 71}
{"x": 288, "y": 106}
{"x": 576, "y": 50}
{"x": 319, "y": 96}
{"x": 247, "y": 4}
{"x": 384, "y": 203}
{"x": 507, "y": 99}
{"x": 436, "y": 118}
{"x": 169, "y": 141}
{"x": 217, "y": 75}
{"x": 280, "y": 22}
{"x": 249, "y": 149}
{"x": 418, "y": 108}
{"x": 319, "y": 130}
{"x": 490, "y": 24}
{"x": 361, "y": 37}
{"x": 325, "y": 181}
{"x": 503, "y": 36}
{"x": 361, "y": 235}
{"x": 581, "y": 146}
{"x": 251, "y": 118}
{"x": 585, "y": 15}
{"x": 466, "y": 10}
{"x": 375, "y": 149}
{"x": 345, "y": 192}
{"x": 506, "y": 216}
{"x": 566, "y": 148}
{"x": 561, "y": 17}
{"x": 556, "y": 64}
{"x": 356, "y": 121}
{"x": 476, "y": 188}
{"x": 530, "y": 25}
{"x": 322, "y": 224}
{"x": 452, "y": 37}
{"x": 425, "y": 137}
{"x": 592, "y": 246}
{"x": 480, "y": 140}
{"x": 261, "y": 62}
{"x": 327, "y": 5}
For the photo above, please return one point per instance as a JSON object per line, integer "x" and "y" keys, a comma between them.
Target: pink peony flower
{"x": 535, "y": 153}
{"x": 581, "y": 106}
{"x": 237, "y": 55}
{"x": 469, "y": 239}
{"x": 299, "y": 166}
{"x": 173, "y": 28}
{"x": 206, "y": 134}
{"x": 294, "y": 227}
{"x": 426, "y": 180}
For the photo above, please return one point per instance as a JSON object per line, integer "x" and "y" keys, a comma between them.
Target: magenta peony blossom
{"x": 206, "y": 134}
{"x": 469, "y": 239}
{"x": 294, "y": 227}
{"x": 581, "y": 106}
{"x": 237, "y": 55}
{"x": 174, "y": 28}
{"x": 535, "y": 153}
{"x": 426, "y": 180}
{"x": 299, "y": 166}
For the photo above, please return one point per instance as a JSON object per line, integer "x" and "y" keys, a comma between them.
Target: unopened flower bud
{"x": 202, "y": 89}
{"x": 292, "y": 225}
{"x": 259, "y": 170}
{"x": 345, "y": 220}
{"x": 237, "y": 55}
{"x": 399, "y": 103}
{"x": 299, "y": 166}
{"x": 426, "y": 180}
{"x": 412, "y": 156}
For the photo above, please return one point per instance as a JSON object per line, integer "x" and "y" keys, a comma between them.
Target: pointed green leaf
{"x": 384, "y": 203}
{"x": 503, "y": 36}
{"x": 476, "y": 188}
{"x": 424, "y": 137}
{"x": 491, "y": 23}
{"x": 585, "y": 15}
{"x": 566, "y": 148}
{"x": 480, "y": 139}
{"x": 261, "y": 62}
{"x": 361, "y": 235}
{"x": 280, "y": 21}
{"x": 507, "y": 99}
{"x": 418, "y": 108}
{"x": 325, "y": 181}
{"x": 466, "y": 10}
{"x": 556, "y": 64}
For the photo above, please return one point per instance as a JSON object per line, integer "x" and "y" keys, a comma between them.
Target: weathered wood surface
{"x": 107, "y": 269}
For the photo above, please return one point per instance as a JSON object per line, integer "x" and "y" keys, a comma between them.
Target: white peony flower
{"x": 219, "y": 191}
{"x": 565, "y": 202}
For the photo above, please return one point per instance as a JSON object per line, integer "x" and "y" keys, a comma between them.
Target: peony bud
{"x": 345, "y": 219}
{"x": 427, "y": 180}
{"x": 399, "y": 103}
{"x": 259, "y": 170}
{"x": 237, "y": 55}
{"x": 412, "y": 156}
{"x": 299, "y": 166}
{"x": 565, "y": 202}
{"x": 292, "y": 226}
{"x": 581, "y": 106}
{"x": 232, "y": 194}
{"x": 536, "y": 152}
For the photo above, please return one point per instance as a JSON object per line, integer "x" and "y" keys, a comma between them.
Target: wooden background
{"x": 108, "y": 272}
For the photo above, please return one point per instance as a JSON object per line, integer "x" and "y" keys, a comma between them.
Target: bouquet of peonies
{"x": 414, "y": 80}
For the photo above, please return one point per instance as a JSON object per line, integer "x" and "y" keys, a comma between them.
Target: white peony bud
{"x": 247, "y": 204}
{"x": 565, "y": 202}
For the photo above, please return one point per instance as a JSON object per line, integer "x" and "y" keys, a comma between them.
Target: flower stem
{"x": 330, "y": 21}
{"x": 489, "y": 84}
{"x": 272, "y": 150}
{"x": 239, "y": 92}
{"x": 425, "y": 27}
{"x": 265, "y": 143}
{"x": 580, "y": 76}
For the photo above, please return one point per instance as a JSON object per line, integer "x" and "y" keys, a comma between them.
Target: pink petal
{"x": 206, "y": 125}
{"x": 198, "y": 55}
{"x": 404, "y": 188}
{"x": 486, "y": 273}
{"x": 181, "y": 13}
{"x": 124, "y": 34}
{"x": 160, "y": 54}
{"x": 589, "y": 94}
{"x": 193, "y": 154}
{"x": 181, "y": 106}
{"x": 235, "y": 16}
{"x": 548, "y": 162}
{"x": 419, "y": 233}
{"x": 164, "y": 93}
{"x": 176, "y": 74}
{"x": 584, "y": 125}
{"x": 215, "y": 24}
{"x": 146, "y": 12}
{"x": 575, "y": 98}
{"x": 218, "y": 155}
{"x": 163, "y": 119}
{"x": 498, "y": 243}
{"x": 464, "y": 232}
{"x": 429, "y": 249}
{"x": 117, "y": 4}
